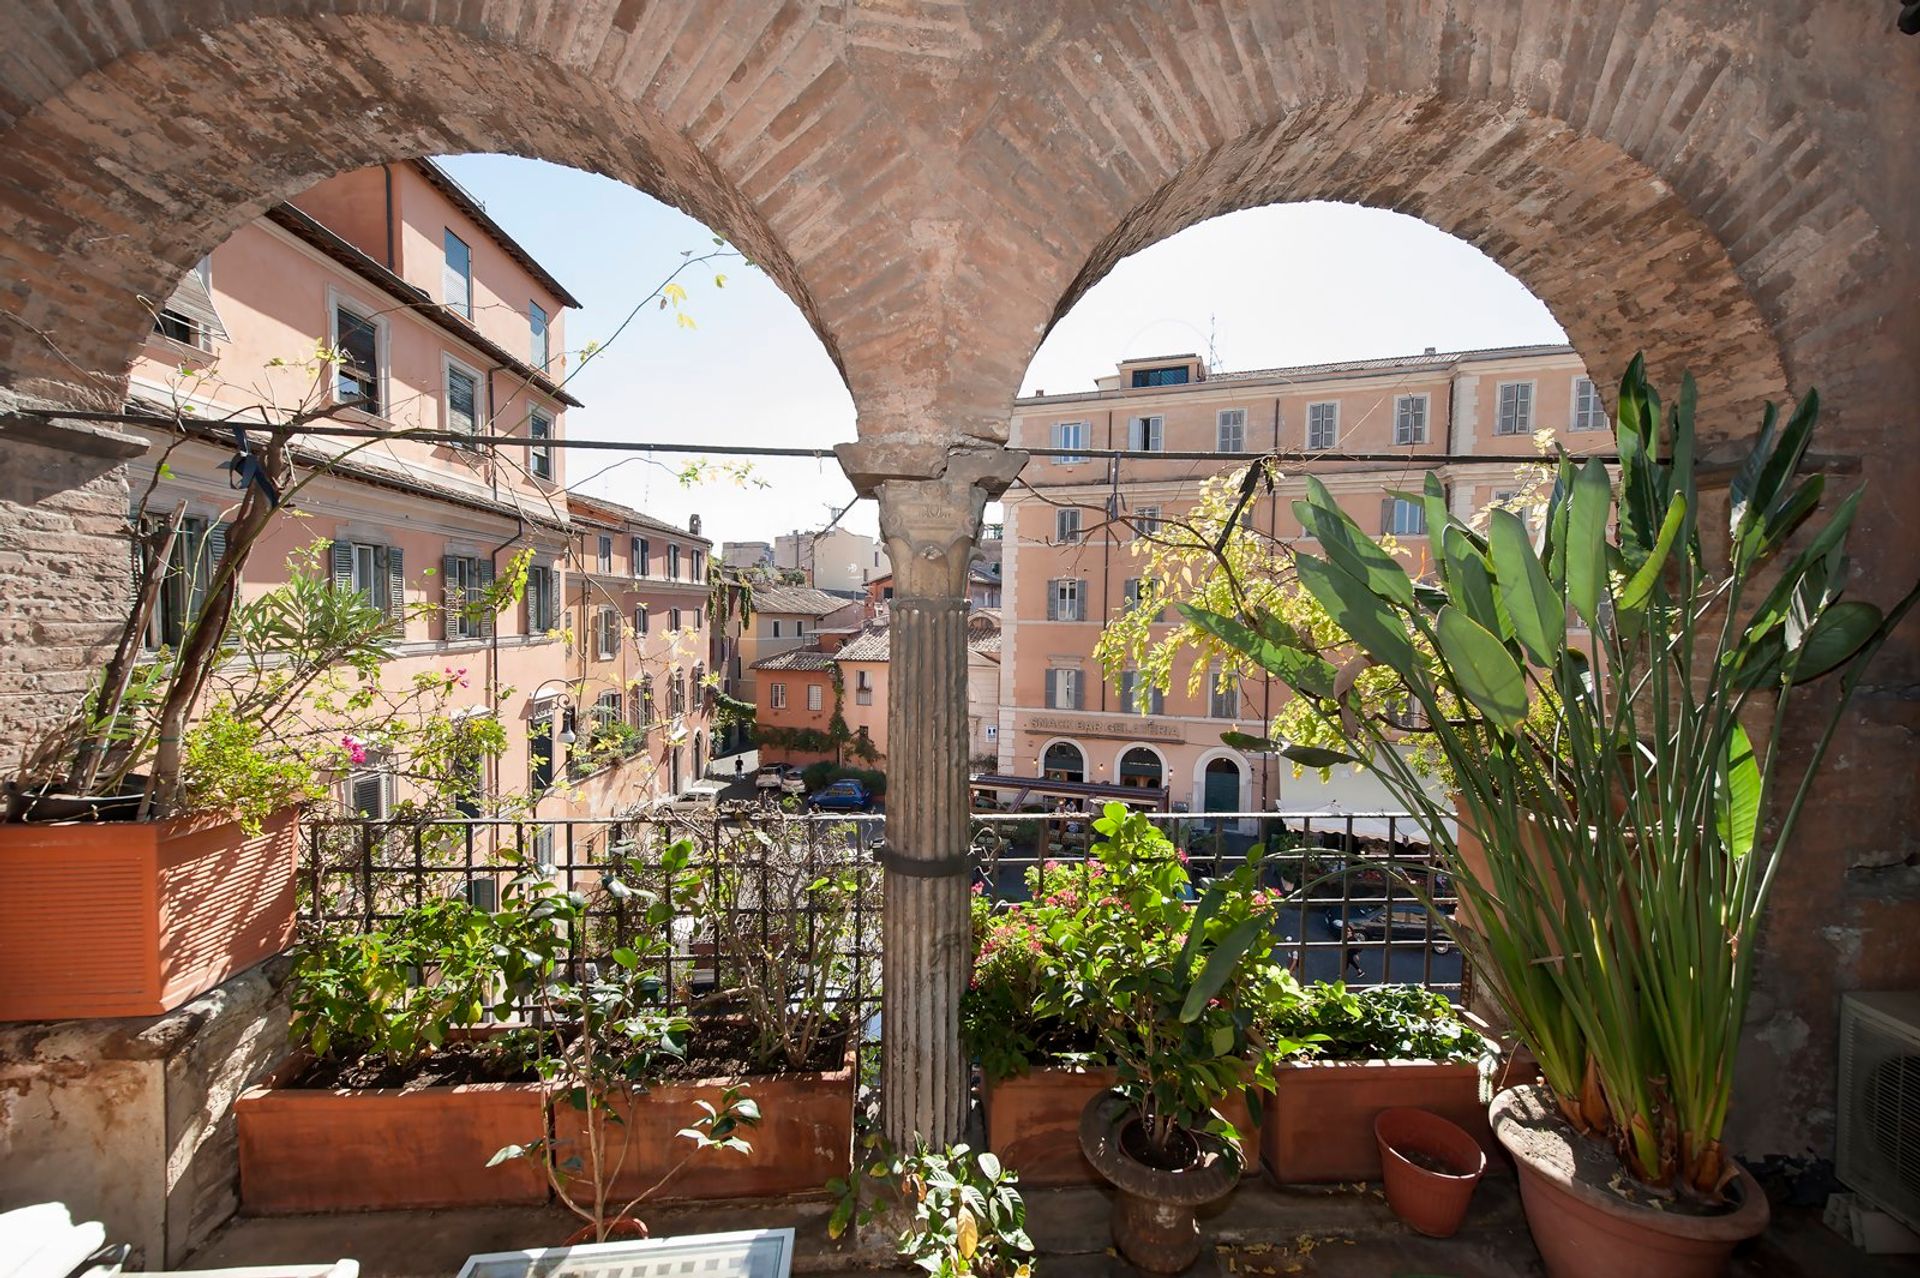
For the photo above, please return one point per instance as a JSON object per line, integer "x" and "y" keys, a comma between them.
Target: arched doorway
{"x": 1140, "y": 766}
{"x": 1220, "y": 785}
{"x": 1064, "y": 761}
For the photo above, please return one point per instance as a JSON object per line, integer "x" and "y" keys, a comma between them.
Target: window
{"x": 1223, "y": 703}
{"x": 540, "y": 753}
{"x": 776, "y": 628}
{"x": 542, "y": 847}
{"x": 188, "y": 315}
{"x": 357, "y": 376}
{"x": 543, "y": 599}
{"x": 1410, "y": 419}
{"x": 813, "y": 696}
{"x": 1323, "y": 424}
{"x": 1147, "y": 434}
{"x": 777, "y": 696}
{"x": 603, "y": 551}
{"x": 537, "y": 326}
{"x": 862, "y": 688}
{"x": 1130, "y": 591}
{"x": 1588, "y": 412}
{"x": 1069, "y": 435}
{"x": 695, "y": 573}
{"x": 696, "y": 618}
{"x": 1066, "y": 525}
{"x": 197, "y": 549}
{"x": 1170, "y": 375}
{"x": 469, "y": 777}
{"x": 1516, "y": 409}
{"x": 539, "y": 455}
{"x": 463, "y": 397}
{"x": 1403, "y": 518}
{"x": 673, "y": 618}
{"x": 1146, "y": 523}
{"x": 800, "y": 627}
{"x": 1066, "y": 599}
{"x": 456, "y": 281}
{"x": 642, "y": 557}
{"x": 369, "y": 794}
{"x": 677, "y": 691}
{"x": 1136, "y": 697}
{"x": 377, "y": 573}
{"x": 607, "y": 709}
{"x": 1231, "y": 433}
{"x": 639, "y": 619}
{"x": 1063, "y": 689}
{"x": 673, "y": 563}
{"x": 464, "y": 580}
{"x": 606, "y": 633}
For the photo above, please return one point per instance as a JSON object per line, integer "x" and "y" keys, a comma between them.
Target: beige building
{"x": 836, "y": 559}
{"x": 1068, "y": 566}
{"x": 783, "y": 618}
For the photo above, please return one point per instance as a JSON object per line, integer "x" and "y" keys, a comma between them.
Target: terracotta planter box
{"x": 804, "y": 1139}
{"x": 1319, "y": 1122}
{"x": 134, "y": 918}
{"x": 1033, "y": 1124}
{"x": 382, "y": 1150}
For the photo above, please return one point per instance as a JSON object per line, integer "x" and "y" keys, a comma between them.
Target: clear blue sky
{"x": 1281, "y": 285}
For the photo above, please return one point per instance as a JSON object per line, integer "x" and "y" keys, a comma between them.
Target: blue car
{"x": 842, "y": 796}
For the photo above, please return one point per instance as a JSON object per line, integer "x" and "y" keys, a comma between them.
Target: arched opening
{"x": 1064, "y": 761}
{"x": 1141, "y": 766}
{"x": 1221, "y": 782}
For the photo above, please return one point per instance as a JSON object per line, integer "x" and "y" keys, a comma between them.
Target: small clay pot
{"x": 1430, "y": 1166}
{"x": 1153, "y": 1215}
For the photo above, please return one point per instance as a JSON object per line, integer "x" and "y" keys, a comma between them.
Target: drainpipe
{"x": 1270, "y": 766}
{"x": 386, "y": 175}
{"x": 493, "y": 461}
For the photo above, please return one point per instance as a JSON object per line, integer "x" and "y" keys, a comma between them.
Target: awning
{"x": 192, "y": 301}
{"x": 1333, "y": 819}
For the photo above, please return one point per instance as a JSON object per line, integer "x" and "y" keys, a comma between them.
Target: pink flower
{"x": 1182, "y": 854}
{"x": 979, "y": 889}
{"x": 356, "y": 751}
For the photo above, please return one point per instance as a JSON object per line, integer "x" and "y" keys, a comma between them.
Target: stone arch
{"x": 1140, "y": 747}
{"x": 1204, "y": 764}
{"x": 1062, "y": 746}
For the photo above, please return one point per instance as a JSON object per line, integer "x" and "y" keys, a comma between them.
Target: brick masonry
{"x": 1728, "y": 186}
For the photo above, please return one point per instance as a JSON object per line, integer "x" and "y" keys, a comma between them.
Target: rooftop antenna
{"x": 1213, "y": 349}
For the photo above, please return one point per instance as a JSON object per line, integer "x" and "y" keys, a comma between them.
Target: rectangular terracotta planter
{"x": 804, "y": 1139}
{"x": 134, "y": 918}
{"x": 1319, "y": 1122}
{"x": 386, "y": 1150}
{"x": 1033, "y": 1124}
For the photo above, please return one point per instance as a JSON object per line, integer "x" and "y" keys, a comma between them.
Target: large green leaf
{"x": 1356, "y": 610}
{"x": 1482, "y": 668}
{"x": 1756, "y": 505}
{"x": 1220, "y": 964}
{"x": 1588, "y": 510}
{"x": 1433, "y": 496}
{"x": 1302, "y": 671}
{"x": 1470, "y": 581}
{"x": 1314, "y": 756}
{"x": 1640, "y": 586}
{"x": 1839, "y": 631}
{"x": 1737, "y": 797}
{"x": 1353, "y": 550}
{"x": 1538, "y": 613}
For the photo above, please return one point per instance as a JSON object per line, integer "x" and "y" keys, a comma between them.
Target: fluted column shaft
{"x": 930, "y": 522}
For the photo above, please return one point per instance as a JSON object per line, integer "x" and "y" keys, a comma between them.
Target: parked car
{"x": 848, "y": 795}
{"x": 770, "y": 777}
{"x": 701, "y": 798}
{"x": 791, "y": 782}
{"x": 1408, "y": 922}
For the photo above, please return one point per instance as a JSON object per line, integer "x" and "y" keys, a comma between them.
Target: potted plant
{"x": 1149, "y": 974}
{"x": 1363, "y": 1052}
{"x": 400, "y": 1049}
{"x": 1632, "y": 834}
{"x": 1430, "y": 1167}
{"x": 961, "y": 1212}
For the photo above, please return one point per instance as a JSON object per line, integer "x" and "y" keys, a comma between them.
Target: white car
{"x": 701, "y": 797}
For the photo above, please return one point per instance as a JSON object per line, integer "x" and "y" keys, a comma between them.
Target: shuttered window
{"x": 606, "y": 633}
{"x": 1066, "y": 525}
{"x": 1222, "y": 703}
{"x": 1069, "y": 435}
{"x": 777, "y": 696}
{"x": 539, "y": 455}
{"x": 375, "y": 571}
{"x": 543, "y": 601}
{"x": 813, "y": 696}
{"x": 456, "y": 281}
{"x": 1147, "y": 434}
{"x": 1410, "y": 419}
{"x": 464, "y": 583}
{"x": 357, "y": 376}
{"x": 1137, "y": 697}
{"x": 1064, "y": 689}
{"x": 369, "y": 794}
{"x": 1231, "y": 433}
{"x": 1066, "y": 599}
{"x": 1403, "y": 518}
{"x": 640, "y": 619}
{"x": 1515, "y": 415}
{"x": 1588, "y": 412}
{"x": 188, "y": 315}
{"x": 1323, "y": 424}
{"x": 463, "y": 398}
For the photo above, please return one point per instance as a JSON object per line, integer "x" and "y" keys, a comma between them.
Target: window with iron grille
{"x": 1515, "y": 415}
{"x": 1066, "y": 525}
{"x": 1230, "y": 434}
{"x": 1323, "y": 424}
{"x": 1588, "y": 412}
{"x": 1410, "y": 419}
{"x": 1069, "y": 435}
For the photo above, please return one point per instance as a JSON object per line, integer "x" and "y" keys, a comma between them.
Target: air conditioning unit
{"x": 1879, "y": 1146}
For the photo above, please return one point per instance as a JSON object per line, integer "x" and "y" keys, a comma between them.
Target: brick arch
{"x": 256, "y": 112}
{"x": 1619, "y": 259}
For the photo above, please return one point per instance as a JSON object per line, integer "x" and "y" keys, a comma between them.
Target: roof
{"x": 308, "y": 229}
{"x": 873, "y": 643}
{"x": 598, "y": 510}
{"x": 804, "y": 600}
{"x": 797, "y": 659}
{"x": 983, "y": 631}
{"x": 444, "y": 183}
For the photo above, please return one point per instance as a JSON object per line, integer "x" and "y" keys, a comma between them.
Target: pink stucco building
{"x": 1069, "y": 567}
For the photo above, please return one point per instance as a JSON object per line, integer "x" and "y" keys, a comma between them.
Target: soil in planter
{"x": 1181, "y": 1152}
{"x": 1429, "y": 1162}
{"x": 1547, "y": 1141}
{"x": 719, "y": 1048}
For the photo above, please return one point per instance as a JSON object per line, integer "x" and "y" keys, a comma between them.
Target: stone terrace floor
{"x": 1345, "y": 1232}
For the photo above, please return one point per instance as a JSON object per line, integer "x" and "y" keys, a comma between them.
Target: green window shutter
{"x": 482, "y": 581}
{"x": 342, "y": 555}
{"x": 397, "y": 589}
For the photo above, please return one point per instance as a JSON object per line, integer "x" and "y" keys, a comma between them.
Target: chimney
{"x": 693, "y": 524}
{"x": 1430, "y": 351}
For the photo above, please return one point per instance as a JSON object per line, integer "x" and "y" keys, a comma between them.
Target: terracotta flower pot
{"x": 1586, "y": 1230}
{"x": 1430, "y": 1166}
{"x": 1153, "y": 1215}
{"x": 1318, "y": 1125}
{"x": 1033, "y": 1124}
{"x": 134, "y": 918}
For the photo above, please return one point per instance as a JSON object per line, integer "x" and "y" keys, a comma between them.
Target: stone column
{"x": 930, "y": 523}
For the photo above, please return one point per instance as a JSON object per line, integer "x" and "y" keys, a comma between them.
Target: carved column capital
{"x": 930, "y": 507}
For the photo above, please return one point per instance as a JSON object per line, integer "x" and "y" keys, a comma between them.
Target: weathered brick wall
{"x": 1730, "y": 187}
{"x": 64, "y": 569}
